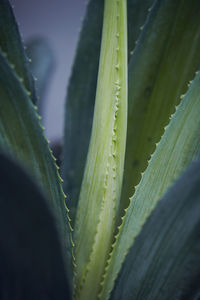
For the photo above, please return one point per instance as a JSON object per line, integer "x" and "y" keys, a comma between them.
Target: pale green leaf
{"x": 82, "y": 88}
{"x": 100, "y": 191}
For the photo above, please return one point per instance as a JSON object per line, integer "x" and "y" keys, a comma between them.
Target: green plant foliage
{"x": 165, "y": 257}
{"x": 82, "y": 90}
{"x": 80, "y": 102}
{"x": 143, "y": 244}
{"x": 12, "y": 47}
{"x": 105, "y": 157}
{"x": 22, "y": 135}
{"x": 165, "y": 165}
{"x": 164, "y": 61}
{"x": 31, "y": 262}
{"x": 137, "y": 12}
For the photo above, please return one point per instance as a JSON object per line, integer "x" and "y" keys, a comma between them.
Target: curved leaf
{"x": 22, "y": 136}
{"x": 164, "y": 261}
{"x": 31, "y": 262}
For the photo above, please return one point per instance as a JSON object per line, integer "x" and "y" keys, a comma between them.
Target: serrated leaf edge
{"x": 112, "y": 156}
{"x": 119, "y": 228}
{"x": 35, "y": 110}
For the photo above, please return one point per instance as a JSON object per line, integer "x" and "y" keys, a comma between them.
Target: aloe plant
{"x": 131, "y": 129}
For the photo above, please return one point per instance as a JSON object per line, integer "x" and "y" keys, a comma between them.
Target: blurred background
{"x": 59, "y": 23}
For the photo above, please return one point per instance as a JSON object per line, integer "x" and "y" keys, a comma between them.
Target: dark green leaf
{"x": 11, "y": 45}
{"x": 21, "y": 134}
{"x": 165, "y": 59}
{"x": 31, "y": 262}
{"x": 137, "y": 11}
{"x": 164, "y": 262}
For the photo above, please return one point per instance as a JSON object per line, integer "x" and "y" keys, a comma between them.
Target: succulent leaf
{"x": 164, "y": 61}
{"x": 80, "y": 102}
{"x": 22, "y": 135}
{"x": 11, "y": 45}
{"x": 138, "y": 240}
{"x": 164, "y": 261}
{"x": 82, "y": 89}
{"x": 179, "y": 145}
{"x": 100, "y": 191}
{"x": 32, "y": 266}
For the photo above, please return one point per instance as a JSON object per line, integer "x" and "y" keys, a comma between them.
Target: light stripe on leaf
{"x": 100, "y": 191}
{"x": 179, "y": 145}
{"x": 81, "y": 90}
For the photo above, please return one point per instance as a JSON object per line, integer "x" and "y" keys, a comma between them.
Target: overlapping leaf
{"x": 80, "y": 102}
{"x": 164, "y": 262}
{"x": 82, "y": 89}
{"x": 179, "y": 145}
{"x": 32, "y": 266}
{"x": 22, "y": 136}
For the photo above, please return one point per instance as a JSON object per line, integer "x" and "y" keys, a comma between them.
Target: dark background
{"x": 59, "y": 21}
